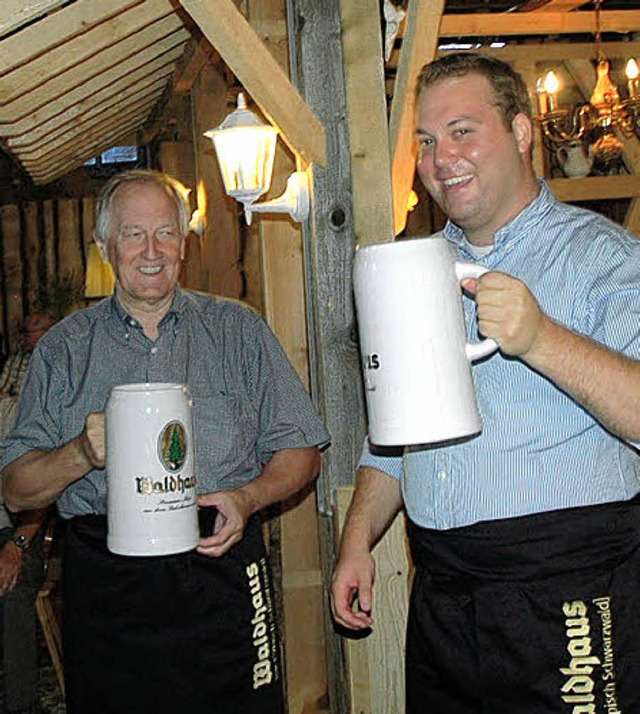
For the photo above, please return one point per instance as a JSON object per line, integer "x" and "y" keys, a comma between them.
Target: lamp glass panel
{"x": 246, "y": 157}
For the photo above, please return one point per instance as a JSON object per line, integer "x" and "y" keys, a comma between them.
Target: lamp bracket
{"x": 294, "y": 200}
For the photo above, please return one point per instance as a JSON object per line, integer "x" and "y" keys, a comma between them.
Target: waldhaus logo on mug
{"x": 172, "y": 446}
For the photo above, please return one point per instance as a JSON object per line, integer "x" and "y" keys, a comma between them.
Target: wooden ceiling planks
{"x": 76, "y": 78}
{"x": 55, "y": 29}
{"x": 17, "y": 13}
{"x": 91, "y": 52}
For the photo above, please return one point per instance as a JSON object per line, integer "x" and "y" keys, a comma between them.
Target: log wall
{"x": 43, "y": 245}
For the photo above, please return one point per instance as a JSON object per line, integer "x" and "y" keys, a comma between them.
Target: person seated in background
{"x": 21, "y": 557}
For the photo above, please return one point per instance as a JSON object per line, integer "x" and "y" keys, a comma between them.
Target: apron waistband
{"x": 530, "y": 547}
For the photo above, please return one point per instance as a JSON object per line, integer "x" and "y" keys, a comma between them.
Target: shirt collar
{"x": 517, "y": 228}
{"x": 175, "y": 311}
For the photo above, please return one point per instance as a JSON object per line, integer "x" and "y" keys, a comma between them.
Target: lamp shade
{"x": 245, "y": 147}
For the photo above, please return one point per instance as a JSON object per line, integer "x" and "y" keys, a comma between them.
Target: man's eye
{"x": 462, "y": 132}
{"x": 132, "y": 236}
{"x": 166, "y": 234}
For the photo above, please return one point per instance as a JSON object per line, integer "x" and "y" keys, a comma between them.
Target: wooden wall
{"x": 43, "y": 244}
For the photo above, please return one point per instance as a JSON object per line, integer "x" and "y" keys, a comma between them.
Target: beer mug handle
{"x": 475, "y": 350}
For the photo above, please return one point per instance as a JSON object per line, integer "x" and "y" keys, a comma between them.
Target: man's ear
{"x": 522, "y": 128}
{"x": 183, "y": 247}
{"x": 102, "y": 248}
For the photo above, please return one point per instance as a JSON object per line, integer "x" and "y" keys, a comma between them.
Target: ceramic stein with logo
{"x": 151, "y": 483}
{"x": 416, "y": 361}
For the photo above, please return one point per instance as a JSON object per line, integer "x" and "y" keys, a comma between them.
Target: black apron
{"x": 528, "y": 615}
{"x": 168, "y": 634}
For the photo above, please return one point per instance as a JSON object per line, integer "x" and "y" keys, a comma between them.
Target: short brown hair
{"x": 509, "y": 90}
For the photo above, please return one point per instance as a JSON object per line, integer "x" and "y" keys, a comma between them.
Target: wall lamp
{"x": 246, "y": 147}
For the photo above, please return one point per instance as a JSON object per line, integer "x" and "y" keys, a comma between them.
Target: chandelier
{"x": 598, "y": 121}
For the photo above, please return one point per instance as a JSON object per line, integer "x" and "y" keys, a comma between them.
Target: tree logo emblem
{"x": 172, "y": 446}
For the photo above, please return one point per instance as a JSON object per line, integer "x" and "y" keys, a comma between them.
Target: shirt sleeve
{"x": 383, "y": 460}
{"x": 288, "y": 419}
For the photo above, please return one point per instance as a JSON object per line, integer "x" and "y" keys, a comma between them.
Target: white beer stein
{"x": 416, "y": 360}
{"x": 151, "y": 484}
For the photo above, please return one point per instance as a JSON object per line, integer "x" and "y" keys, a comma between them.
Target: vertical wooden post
{"x": 317, "y": 68}
{"x": 284, "y": 308}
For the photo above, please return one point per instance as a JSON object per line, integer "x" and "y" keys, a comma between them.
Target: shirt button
{"x": 154, "y": 350}
{"x": 442, "y": 475}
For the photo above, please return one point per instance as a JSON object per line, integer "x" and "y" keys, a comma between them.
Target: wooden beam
{"x": 367, "y": 118}
{"x": 283, "y": 298}
{"x": 550, "y": 51}
{"x": 16, "y": 13}
{"x": 85, "y": 57}
{"x": 328, "y": 249}
{"x": 527, "y": 23}
{"x": 595, "y": 188}
{"x": 419, "y": 45}
{"x": 242, "y": 50}
{"x": 38, "y": 38}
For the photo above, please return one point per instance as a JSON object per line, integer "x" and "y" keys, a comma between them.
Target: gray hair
{"x": 510, "y": 94}
{"x": 172, "y": 187}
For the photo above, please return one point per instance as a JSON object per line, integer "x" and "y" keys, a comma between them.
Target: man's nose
{"x": 151, "y": 246}
{"x": 443, "y": 153}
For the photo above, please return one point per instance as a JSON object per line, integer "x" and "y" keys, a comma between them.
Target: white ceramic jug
{"x": 416, "y": 360}
{"x": 151, "y": 484}
{"x": 574, "y": 159}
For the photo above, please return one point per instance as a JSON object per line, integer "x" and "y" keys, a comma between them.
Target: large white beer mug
{"x": 151, "y": 484}
{"x": 416, "y": 360}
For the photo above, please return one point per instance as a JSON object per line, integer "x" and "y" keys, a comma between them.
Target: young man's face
{"x": 145, "y": 245}
{"x": 470, "y": 163}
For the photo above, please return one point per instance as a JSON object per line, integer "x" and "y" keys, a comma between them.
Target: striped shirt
{"x": 539, "y": 450}
{"x": 248, "y": 402}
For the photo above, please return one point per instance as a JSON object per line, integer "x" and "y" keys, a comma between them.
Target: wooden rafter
{"x": 367, "y": 119}
{"x": 245, "y": 54}
{"x": 538, "y": 23}
{"x": 419, "y": 45}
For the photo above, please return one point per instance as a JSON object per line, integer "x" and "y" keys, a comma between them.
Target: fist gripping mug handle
{"x": 475, "y": 350}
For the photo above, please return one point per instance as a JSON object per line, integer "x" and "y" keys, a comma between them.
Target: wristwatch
{"x": 20, "y": 541}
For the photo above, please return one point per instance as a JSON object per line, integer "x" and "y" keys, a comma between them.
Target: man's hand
{"x": 234, "y": 509}
{"x": 507, "y": 312}
{"x": 353, "y": 580}
{"x": 10, "y": 561}
{"x": 92, "y": 440}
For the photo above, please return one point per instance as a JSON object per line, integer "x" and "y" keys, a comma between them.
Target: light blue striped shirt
{"x": 539, "y": 450}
